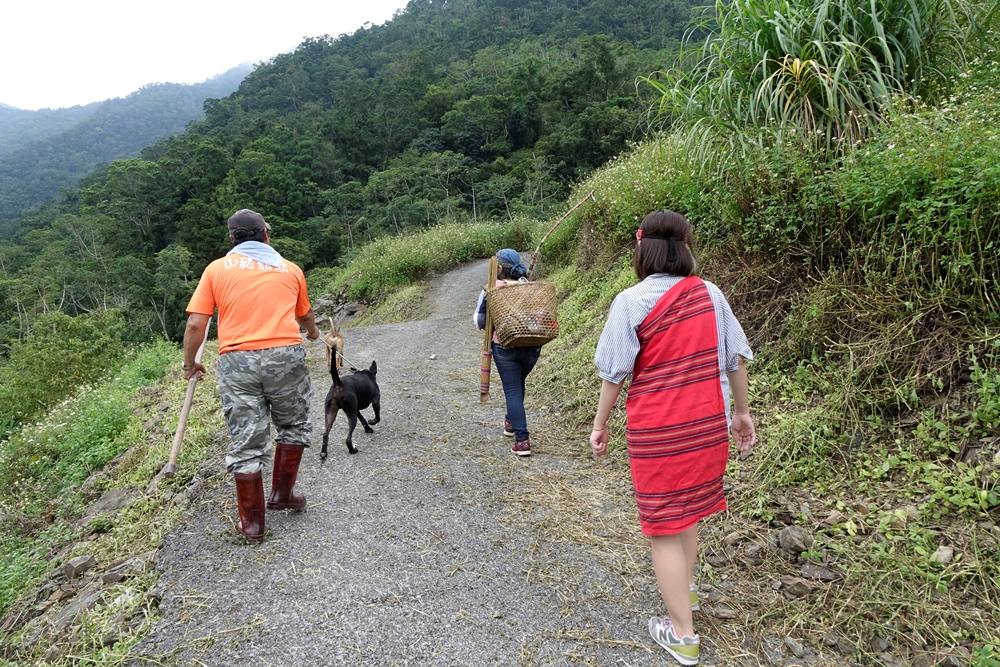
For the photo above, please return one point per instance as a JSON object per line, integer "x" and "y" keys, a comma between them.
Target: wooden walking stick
{"x": 171, "y": 468}
{"x": 534, "y": 255}
{"x": 484, "y": 367}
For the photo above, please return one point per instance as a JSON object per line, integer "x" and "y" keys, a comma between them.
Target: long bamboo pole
{"x": 534, "y": 255}
{"x": 487, "y": 357}
{"x": 170, "y": 469}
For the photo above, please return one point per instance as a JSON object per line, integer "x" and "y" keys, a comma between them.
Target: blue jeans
{"x": 513, "y": 366}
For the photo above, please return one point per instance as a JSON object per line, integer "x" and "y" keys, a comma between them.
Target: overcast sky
{"x": 60, "y": 53}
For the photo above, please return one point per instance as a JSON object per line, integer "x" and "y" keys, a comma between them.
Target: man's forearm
{"x": 308, "y": 322}
{"x": 194, "y": 334}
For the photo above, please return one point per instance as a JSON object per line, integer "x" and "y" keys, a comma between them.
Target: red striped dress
{"x": 677, "y": 434}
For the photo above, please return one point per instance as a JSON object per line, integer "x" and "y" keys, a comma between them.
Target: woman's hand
{"x": 599, "y": 442}
{"x": 743, "y": 431}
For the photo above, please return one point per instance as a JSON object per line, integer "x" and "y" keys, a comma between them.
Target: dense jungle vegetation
{"x": 458, "y": 111}
{"x": 43, "y": 151}
{"x": 839, "y": 163}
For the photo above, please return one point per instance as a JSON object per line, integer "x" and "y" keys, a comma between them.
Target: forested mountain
{"x": 458, "y": 110}
{"x": 44, "y": 151}
{"x": 19, "y": 127}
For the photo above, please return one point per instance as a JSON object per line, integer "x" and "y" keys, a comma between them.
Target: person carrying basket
{"x": 513, "y": 363}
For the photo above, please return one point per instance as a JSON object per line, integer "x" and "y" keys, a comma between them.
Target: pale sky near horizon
{"x": 60, "y": 53}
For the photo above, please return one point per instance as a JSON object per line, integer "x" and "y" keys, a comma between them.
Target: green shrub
{"x": 985, "y": 376}
{"x": 62, "y": 354}
{"x": 820, "y": 74}
{"x": 656, "y": 174}
{"x": 42, "y": 466}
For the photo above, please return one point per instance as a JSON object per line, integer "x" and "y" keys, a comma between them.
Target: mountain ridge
{"x": 46, "y": 150}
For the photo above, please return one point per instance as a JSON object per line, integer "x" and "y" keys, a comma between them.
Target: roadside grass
{"x": 898, "y": 513}
{"x": 861, "y": 285}
{"x": 390, "y": 263}
{"x": 114, "y": 434}
{"x": 405, "y": 305}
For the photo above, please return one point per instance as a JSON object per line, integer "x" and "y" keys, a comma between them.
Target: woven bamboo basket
{"x": 523, "y": 314}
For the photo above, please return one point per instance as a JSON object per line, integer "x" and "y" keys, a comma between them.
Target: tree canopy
{"x": 462, "y": 110}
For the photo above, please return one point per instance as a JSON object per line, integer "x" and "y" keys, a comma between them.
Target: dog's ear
{"x": 373, "y": 368}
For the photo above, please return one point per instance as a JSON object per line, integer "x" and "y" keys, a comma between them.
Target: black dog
{"x": 351, "y": 394}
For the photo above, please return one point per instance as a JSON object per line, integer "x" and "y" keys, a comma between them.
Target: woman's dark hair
{"x": 511, "y": 273}
{"x": 666, "y": 245}
{"x": 243, "y": 235}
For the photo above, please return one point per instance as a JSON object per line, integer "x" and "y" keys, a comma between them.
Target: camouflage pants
{"x": 256, "y": 387}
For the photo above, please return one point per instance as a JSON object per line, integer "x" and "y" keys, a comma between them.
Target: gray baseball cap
{"x": 247, "y": 219}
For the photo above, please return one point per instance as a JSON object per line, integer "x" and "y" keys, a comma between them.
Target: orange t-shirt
{"x": 257, "y": 303}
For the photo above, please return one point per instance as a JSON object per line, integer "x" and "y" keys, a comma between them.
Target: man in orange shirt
{"x": 262, "y": 302}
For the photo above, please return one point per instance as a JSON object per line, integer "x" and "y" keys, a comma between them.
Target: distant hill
{"x": 19, "y": 127}
{"x": 43, "y": 151}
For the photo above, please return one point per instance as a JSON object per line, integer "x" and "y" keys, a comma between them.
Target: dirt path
{"x": 426, "y": 548}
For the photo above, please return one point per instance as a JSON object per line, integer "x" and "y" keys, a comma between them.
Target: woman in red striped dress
{"x": 677, "y": 338}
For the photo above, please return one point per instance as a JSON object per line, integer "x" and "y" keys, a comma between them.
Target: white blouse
{"x": 618, "y": 346}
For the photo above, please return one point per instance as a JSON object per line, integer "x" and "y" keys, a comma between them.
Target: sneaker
{"x": 695, "y": 600}
{"x": 684, "y": 650}
{"x": 508, "y": 430}
{"x": 521, "y": 448}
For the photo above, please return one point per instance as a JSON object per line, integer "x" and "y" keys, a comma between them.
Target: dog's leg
{"x": 364, "y": 422}
{"x": 331, "y": 416}
{"x": 352, "y": 422}
{"x": 375, "y": 406}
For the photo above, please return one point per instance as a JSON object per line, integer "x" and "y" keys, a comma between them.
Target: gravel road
{"x": 410, "y": 552}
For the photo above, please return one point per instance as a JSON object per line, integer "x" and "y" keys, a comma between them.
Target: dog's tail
{"x": 335, "y": 375}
